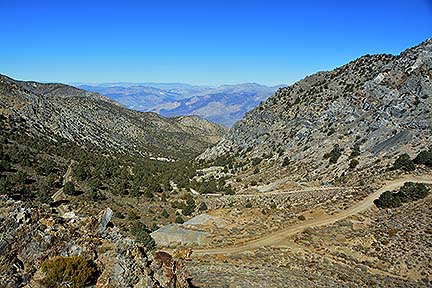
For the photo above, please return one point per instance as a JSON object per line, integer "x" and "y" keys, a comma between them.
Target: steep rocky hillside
{"x": 85, "y": 117}
{"x": 79, "y": 216}
{"x": 358, "y": 117}
{"x": 42, "y": 250}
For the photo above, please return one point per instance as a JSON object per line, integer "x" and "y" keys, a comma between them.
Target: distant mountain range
{"x": 223, "y": 104}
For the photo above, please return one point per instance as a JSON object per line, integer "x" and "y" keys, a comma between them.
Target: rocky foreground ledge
{"x": 35, "y": 245}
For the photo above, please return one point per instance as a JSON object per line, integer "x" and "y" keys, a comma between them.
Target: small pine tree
{"x": 353, "y": 163}
{"x": 335, "y": 154}
{"x": 202, "y": 206}
{"x": 165, "y": 213}
{"x": 69, "y": 188}
{"x": 179, "y": 220}
{"x": 424, "y": 157}
{"x": 190, "y": 207}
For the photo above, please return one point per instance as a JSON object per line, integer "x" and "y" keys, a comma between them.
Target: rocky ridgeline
{"x": 31, "y": 236}
{"x": 376, "y": 106}
{"x": 86, "y": 117}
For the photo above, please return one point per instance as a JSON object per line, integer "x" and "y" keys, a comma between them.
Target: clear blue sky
{"x": 200, "y": 42}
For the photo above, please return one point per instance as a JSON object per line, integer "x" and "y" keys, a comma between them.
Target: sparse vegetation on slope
{"x": 407, "y": 193}
{"x": 89, "y": 118}
{"x": 359, "y": 110}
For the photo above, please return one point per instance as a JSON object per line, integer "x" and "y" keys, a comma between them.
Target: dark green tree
{"x": 69, "y": 188}
{"x": 285, "y": 162}
{"x": 165, "y": 213}
{"x": 190, "y": 207}
{"x": 404, "y": 162}
{"x": 424, "y": 157}
{"x": 335, "y": 153}
{"x": 179, "y": 220}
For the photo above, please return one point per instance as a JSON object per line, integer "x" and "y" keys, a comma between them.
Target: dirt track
{"x": 67, "y": 177}
{"x": 278, "y": 236}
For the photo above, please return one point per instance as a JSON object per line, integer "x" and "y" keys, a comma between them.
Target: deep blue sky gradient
{"x": 200, "y": 42}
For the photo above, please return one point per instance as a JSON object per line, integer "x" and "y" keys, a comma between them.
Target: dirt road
{"x": 66, "y": 178}
{"x": 278, "y": 236}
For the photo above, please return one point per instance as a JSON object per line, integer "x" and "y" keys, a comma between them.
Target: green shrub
{"x": 179, "y": 220}
{"x": 190, "y": 207}
{"x": 335, "y": 153}
{"x": 285, "y": 162}
{"x": 355, "y": 151}
{"x": 133, "y": 215}
{"x": 46, "y": 167}
{"x": 4, "y": 165}
{"x": 142, "y": 235}
{"x": 256, "y": 161}
{"x": 408, "y": 192}
{"x": 353, "y": 163}
{"x": 202, "y": 206}
{"x": 119, "y": 215}
{"x": 69, "y": 188}
{"x": 387, "y": 200}
{"x": 404, "y": 162}
{"x": 74, "y": 271}
{"x": 165, "y": 213}
{"x": 424, "y": 157}
{"x": 413, "y": 191}
{"x": 145, "y": 239}
{"x": 229, "y": 190}
{"x": 177, "y": 204}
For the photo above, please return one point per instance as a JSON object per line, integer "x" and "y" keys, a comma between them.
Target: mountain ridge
{"x": 87, "y": 117}
{"x": 380, "y": 104}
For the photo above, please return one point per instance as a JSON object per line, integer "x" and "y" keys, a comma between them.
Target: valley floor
{"x": 358, "y": 247}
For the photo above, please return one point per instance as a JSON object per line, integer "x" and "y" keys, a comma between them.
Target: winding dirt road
{"x": 278, "y": 236}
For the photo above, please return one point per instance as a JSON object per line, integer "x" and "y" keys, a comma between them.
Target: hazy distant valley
{"x": 223, "y": 104}
{"x": 323, "y": 183}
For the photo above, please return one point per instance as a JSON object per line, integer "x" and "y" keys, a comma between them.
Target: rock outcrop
{"x": 370, "y": 109}
{"x": 30, "y": 236}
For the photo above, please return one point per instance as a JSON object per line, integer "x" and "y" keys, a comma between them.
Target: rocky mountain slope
{"x": 78, "y": 216}
{"x": 224, "y": 104}
{"x": 85, "y": 117}
{"x": 37, "y": 248}
{"x": 355, "y": 118}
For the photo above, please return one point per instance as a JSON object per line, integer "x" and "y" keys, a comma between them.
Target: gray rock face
{"x": 383, "y": 103}
{"x": 203, "y": 220}
{"x": 105, "y": 219}
{"x": 174, "y": 233}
